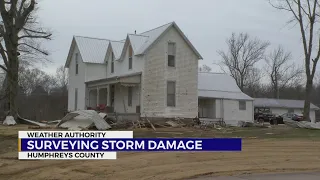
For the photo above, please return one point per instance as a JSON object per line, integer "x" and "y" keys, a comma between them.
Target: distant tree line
{"x": 263, "y": 72}
{"x": 41, "y": 96}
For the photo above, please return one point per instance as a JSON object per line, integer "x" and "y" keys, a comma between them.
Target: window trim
{"x": 174, "y": 54}
{"x": 175, "y": 94}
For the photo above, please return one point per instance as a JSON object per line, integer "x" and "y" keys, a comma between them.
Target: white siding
{"x": 76, "y": 81}
{"x": 313, "y": 115}
{"x": 121, "y": 99}
{"x": 121, "y": 67}
{"x": 96, "y": 71}
{"x": 232, "y": 114}
{"x": 218, "y": 108}
{"x": 157, "y": 73}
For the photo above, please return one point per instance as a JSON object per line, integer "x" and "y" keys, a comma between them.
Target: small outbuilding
{"x": 221, "y": 98}
{"x": 282, "y": 106}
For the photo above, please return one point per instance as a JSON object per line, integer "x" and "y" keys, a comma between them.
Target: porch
{"x": 209, "y": 111}
{"x": 207, "y": 108}
{"x": 116, "y": 95}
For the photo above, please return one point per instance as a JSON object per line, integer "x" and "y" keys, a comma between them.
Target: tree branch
{"x": 4, "y": 68}
{"x": 37, "y": 49}
{"x": 34, "y": 36}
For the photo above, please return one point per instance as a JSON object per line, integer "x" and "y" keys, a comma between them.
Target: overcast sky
{"x": 207, "y": 23}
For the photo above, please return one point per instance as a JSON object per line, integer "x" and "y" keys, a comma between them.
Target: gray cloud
{"x": 207, "y": 23}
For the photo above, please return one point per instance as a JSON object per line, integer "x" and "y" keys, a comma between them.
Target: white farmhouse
{"x": 282, "y": 106}
{"x": 154, "y": 73}
{"x": 221, "y": 98}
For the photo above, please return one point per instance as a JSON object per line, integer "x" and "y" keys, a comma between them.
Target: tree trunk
{"x": 13, "y": 74}
{"x": 306, "y": 110}
{"x": 13, "y": 86}
{"x": 275, "y": 92}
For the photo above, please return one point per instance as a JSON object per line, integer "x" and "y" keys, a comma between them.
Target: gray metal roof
{"x": 152, "y": 35}
{"x": 92, "y": 50}
{"x": 137, "y": 41}
{"x": 219, "y": 85}
{"x": 281, "y": 103}
{"x": 117, "y": 47}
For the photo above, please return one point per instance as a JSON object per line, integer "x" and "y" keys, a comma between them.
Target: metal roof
{"x": 219, "y": 85}
{"x": 152, "y": 35}
{"x": 92, "y": 50}
{"x": 137, "y": 41}
{"x": 117, "y": 47}
{"x": 281, "y": 103}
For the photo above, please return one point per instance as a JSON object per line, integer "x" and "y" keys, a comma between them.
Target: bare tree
{"x": 242, "y": 54}
{"x": 253, "y": 84}
{"x": 306, "y": 14}
{"x": 31, "y": 78}
{"x": 281, "y": 72}
{"x": 20, "y": 36}
{"x": 205, "y": 68}
{"x": 62, "y": 78}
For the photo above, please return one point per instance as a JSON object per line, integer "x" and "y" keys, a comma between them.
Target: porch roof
{"x": 128, "y": 79}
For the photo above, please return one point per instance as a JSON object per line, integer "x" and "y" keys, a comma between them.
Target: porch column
{"x": 108, "y": 95}
{"x": 98, "y": 98}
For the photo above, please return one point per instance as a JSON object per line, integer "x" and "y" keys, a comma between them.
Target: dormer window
{"x": 130, "y": 57}
{"x": 112, "y": 62}
{"x": 77, "y": 64}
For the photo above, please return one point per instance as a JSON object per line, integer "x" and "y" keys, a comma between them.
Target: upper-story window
{"x": 171, "y": 54}
{"x": 112, "y": 62}
{"x": 130, "y": 57}
{"x": 77, "y": 64}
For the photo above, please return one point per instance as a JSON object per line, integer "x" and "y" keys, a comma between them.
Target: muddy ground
{"x": 278, "y": 149}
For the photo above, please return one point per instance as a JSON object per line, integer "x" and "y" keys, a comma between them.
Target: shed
{"x": 221, "y": 98}
{"x": 282, "y": 106}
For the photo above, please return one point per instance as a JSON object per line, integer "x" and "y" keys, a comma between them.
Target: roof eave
{"x": 182, "y": 34}
{"x": 124, "y": 48}
{"x": 73, "y": 43}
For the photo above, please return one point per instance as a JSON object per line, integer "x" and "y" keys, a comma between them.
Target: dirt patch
{"x": 259, "y": 155}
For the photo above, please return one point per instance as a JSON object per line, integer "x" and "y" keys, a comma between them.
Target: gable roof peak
{"x": 91, "y": 38}
{"x": 158, "y": 27}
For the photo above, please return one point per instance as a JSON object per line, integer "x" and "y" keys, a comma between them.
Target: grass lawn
{"x": 279, "y": 131}
{"x": 276, "y": 149}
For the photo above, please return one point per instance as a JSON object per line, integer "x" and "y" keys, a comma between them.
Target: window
{"x": 112, "y": 62}
{"x": 129, "y": 96}
{"x": 171, "y": 93}
{"x": 77, "y": 64}
{"x": 171, "y": 54}
{"x": 242, "y": 105}
{"x": 130, "y": 57}
{"x": 75, "y": 99}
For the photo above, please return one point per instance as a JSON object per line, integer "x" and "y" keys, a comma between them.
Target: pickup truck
{"x": 262, "y": 115}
